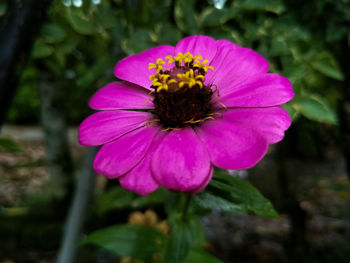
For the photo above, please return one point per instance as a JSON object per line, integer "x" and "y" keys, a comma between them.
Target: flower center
{"x": 180, "y": 96}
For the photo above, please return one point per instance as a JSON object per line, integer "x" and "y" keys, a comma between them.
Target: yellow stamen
{"x": 160, "y": 61}
{"x": 146, "y": 101}
{"x": 150, "y": 121}
{"x": 163, "y": 82}
{"x": 197, "y": 57}
{"x": 188, "y": 57}
{"x": 170, "y": 129}
{"x": 165, "y": 76}
{"x": 151, "y": 65}
{"x": 179, "y": 57}
{"x": 218, "y": 101}
{"x": 201, "y": 65}
{"x": 190, "y": 79}
{"x": 153, "y": 77}
{"x": 157, "y": 66}
{"x": 199, "y": 77}
{"x": 184, "y": 61}
{"x": 211, "y": 67}
{"x": 199, "y": 83}
{"x": 200, "y": 120}
{"x": 223, "y": 105}
{"x": 170, "y": 59}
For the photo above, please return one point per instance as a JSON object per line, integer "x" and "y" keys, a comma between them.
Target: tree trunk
{"x": 18, "y": 30}
{"x": 53, "y": 121}
{"x": 296, "y": 246}
{"x": 344, "y": 103}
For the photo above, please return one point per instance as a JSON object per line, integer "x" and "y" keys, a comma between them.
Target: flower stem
{"x": 185, "y": 200}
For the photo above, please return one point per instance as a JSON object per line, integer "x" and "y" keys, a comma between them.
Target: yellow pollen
{"x": 160, "y": 61}
{"x": 218, "y": 101}
{"x": 201, "y": 65}
{"x": 190, "y": 79}
{"x": 157, "y": 66}
{"x": 170, "y": 129}
{"x": 188, "y": 57}
{"x": 193, "y": 76}
{"x": 198, "y": 57}
{"x": 162, "y": 82}
{"x": 154, "y": 77}
{"x": 165, "y": 76}
{"x": 179, "y": 57}
{"x": 170, "y": 59}
{"x": 200, "y": 120}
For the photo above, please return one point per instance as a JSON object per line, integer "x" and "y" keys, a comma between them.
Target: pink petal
{"x": 135, "y": 68}
{"x": 102, "y": 127}
{"x": 140, "y": 179}
{"x": 232, "y": 63}
{"x": 263, "y": 90}
{"x": 116, "y": 158}
{"x": 270, "y": 122}
{"x": 121, "y": 95}
{"x": 197, "y": 45}
{"x": 225, "y": 43}
{"x": 230, "y": 145}
{"x": 206, "y": 182}
{"x": 181, "y": 162}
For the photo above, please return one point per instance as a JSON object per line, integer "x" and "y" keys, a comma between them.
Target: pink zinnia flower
{"x": 182, "y": 110}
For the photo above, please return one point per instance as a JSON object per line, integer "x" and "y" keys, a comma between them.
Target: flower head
{"x": 179, "y": 111}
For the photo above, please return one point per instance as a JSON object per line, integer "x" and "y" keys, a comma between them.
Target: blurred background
{"x": 56, "y": 53}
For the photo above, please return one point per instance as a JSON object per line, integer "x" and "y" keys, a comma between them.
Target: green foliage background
{"x": 82, "y": 41}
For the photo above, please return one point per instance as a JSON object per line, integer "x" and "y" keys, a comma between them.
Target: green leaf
{"x": 227, "y": 33}
{"x": 128, "y": 240}
{"x": 60, "y": 59}
{"x": 185, "y": 16}
{"x": 209, "y": 201}
{"x": 273, "y": 6}
{"x": 186, "y": 233}
{"x": 3, "y": 7}
{"x": 96, "y": 71}
{"x": 42, "y": 50}
{"x": 138, "y": 42}
{"x": 279, "y": 47}
{"x": 243, "y": 196}
{"x": 315, "y": 108}
{"x": 105, "y": 16}
{"x": 167, "y": 34}
{"x": 214, "y": 17}
{"x": 335, "y": 32}
{"x": 154, "y": 198}
{"x": 118, "y": 31}
{"x": 10, "y": 145}
{"x": 199, "y": 255}
{"x": 295, "y": 72}
{"x": 52, "y": 33}
{"x": 293, "y": 113}
{"x": 327, "y": 65}
{"x": 79, "y": 21}
{"x": 68, "y": 45}
{"x": 114, "y": 198}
